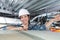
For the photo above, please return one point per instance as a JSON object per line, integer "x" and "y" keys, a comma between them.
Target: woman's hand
{"x": 49, "y": 23}
{"x": 25, "y": 28}
{"x": 20, "y": 28}
{"x": 57, "y": 17}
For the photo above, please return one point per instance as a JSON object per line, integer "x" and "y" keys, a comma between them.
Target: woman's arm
{"x": 14, "y": 28}
{"x": 56, "y": 18}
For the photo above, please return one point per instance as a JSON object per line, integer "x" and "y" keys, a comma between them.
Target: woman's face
{"x": 24, "y": 19}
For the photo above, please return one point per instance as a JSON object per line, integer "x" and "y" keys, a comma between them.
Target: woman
{"x": 24, "y": 16}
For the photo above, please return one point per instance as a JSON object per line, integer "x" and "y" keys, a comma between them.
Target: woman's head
{"x": 24, "y": 16}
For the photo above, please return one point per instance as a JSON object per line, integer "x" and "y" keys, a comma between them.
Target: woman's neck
{"x": 26, "y": 24}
